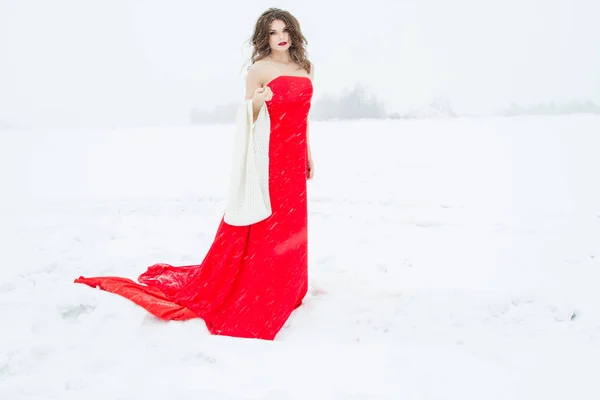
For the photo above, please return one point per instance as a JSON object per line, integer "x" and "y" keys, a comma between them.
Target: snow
{"x": 449, "y": 259}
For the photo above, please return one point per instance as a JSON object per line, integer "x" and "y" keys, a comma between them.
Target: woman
{"x": 252, "y": 277}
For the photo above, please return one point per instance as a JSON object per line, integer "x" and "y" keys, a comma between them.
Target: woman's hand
{"x": 310, "y": 169}
{"x": 261, "y": 95}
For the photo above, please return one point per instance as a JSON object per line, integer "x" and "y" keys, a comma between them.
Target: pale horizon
{"x": 70, "y": 64}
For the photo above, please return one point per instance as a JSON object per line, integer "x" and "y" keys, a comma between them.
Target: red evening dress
{"x": 252, "y": 277}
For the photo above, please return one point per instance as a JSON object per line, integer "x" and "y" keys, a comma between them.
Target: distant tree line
{"x": 5, "y": 126}
{"x": 359, "y": 103}
{"x": 552, "y": 108}
{"x": 355, "y": 103}
{"x": 223, "y": 114}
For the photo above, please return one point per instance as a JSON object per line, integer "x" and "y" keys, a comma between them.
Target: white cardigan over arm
{"x": 248, "y": 199}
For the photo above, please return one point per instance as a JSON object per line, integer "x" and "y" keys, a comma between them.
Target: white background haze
{"x": 132, "y": 62}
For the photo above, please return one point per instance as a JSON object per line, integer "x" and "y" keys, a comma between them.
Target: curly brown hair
{"x": 260, "y": 38}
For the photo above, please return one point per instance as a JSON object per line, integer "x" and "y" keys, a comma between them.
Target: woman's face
{"x": 279, "y": 37}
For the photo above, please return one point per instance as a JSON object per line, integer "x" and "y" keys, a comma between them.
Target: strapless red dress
{"x": 252, "y": 277}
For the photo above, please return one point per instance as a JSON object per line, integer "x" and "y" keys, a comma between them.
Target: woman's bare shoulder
{"x": 259, "y": 70}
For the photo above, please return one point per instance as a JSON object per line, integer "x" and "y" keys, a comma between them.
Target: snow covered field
{"x": 449, "y": 259}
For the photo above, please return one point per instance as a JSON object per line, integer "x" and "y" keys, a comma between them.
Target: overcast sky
{"x": 103, "y": 62}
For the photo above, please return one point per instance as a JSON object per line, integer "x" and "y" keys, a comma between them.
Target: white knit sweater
{"x": 248, "y": 200}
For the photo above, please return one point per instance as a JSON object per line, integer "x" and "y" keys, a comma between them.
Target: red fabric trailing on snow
{"x": 252, "y": 277}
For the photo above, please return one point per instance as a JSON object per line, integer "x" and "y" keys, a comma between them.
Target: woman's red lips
{"x": 282, "y": 43}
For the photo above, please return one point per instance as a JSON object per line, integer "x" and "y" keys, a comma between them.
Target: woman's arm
{"x": 310, "y": 166}
{"x": 308, "y": 141}
{"x": 311, "y": 75}
{"x": 255, "y": 90}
